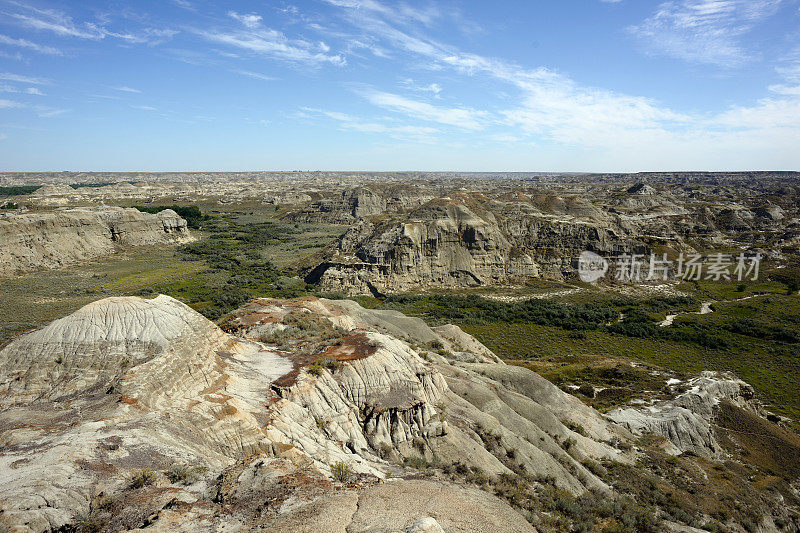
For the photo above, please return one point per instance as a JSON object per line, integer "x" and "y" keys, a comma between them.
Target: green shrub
{"x": 142, "y": 478}
{"x": 414, "y": 461}
{"x": 89, "y": 523}
{"x": 183, "y": 474}
{"x": 18, "y": 190}
{"x": 190, "y": 213}
{"x": 341, "y": 472}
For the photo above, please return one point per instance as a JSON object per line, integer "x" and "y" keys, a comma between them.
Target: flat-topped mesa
{"x": 33, "y": 241}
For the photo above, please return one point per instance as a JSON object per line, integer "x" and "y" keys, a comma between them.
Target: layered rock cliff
{"x": 32, "y": 241}
{"x": 447, "y": 243}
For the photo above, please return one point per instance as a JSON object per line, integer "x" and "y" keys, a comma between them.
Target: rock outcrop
{"x": 446, "y": 243}
{"x": 292, "y": 390}
{"x": 32, "y": 241}
{"x": 356, "y": 202}
{"x": 687, "y": 419}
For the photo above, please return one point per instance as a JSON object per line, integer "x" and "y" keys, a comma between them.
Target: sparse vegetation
{"x": 183, "y": 474}
{"x": 754, "y": 338}
{"x": 341, "y": 472}
{"x": 143, "y": 478}
{"x": 90, "y": 523}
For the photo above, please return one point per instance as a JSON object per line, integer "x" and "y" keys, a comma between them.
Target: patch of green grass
{"x": 756, "y": 338}
{"x": 17, "y": 190}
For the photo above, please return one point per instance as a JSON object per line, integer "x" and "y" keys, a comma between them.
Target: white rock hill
{"x": 128, "y": 383}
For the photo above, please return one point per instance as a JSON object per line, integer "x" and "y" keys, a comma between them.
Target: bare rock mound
{"x": 141, "y": 413}
{"x": 687, "y": 420}
{"x": 32, "y": 241}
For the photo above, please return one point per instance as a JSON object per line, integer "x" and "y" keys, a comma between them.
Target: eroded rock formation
{"x": 687, "y": 419}
{"x": 449, "y": 243}
{"x": 292, "y": 390}
{"x": 32, "y": 241}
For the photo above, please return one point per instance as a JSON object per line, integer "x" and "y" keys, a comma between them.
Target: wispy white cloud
{"x": 509, "y": 139}
{"x": 254, "y": 75}
{"x": 351, "y": 123}
{"x": 398, "y": 12}
{"x": 185, "y": 4}
{"x": 356, "y": 44}
{"x": 551, "y": 106}
{"x": 251, "y": 20}
{"x": 8, "y": 104}
{"x": 785, "y": 90}
{"x": 49, "y": 112}
{"x": 258, "y": 39}
{"x": 57, "y": 22}
{"x": 41, "y": 110}
{"x": 148, "y": 36}
{"x": 63, "y": 25}
{"x": 433, "y": 88}
{"x": 7, "y": 76}
{"x": 704, "y": 31}
{"x": 29, "y": 90}
{"x": 15, "y": 56}
{"x": 24, "y": 43}
{"x": 461, "y": 117}
{"x": 126, "y": 89}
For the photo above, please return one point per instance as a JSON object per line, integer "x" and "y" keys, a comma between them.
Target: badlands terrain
{"x": 396, "y": 352}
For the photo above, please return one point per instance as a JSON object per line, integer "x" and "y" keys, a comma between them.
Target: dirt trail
{"x": 705, "y": 308}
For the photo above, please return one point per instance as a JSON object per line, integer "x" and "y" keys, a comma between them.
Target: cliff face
{"x": 32, "y": 241}
{"x": 355, "y": 202}
{"x": 447, "y": 244}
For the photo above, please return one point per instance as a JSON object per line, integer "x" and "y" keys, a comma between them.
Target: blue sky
{"x": 514, "y": 85}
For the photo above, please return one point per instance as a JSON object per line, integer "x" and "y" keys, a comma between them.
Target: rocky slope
{"x": 126, "y": 384}
{"x": 301, "y": 415}
{"x": 687, "y": 420}
{"x": 457, "y": 242}
{"x": 32, "y": 241}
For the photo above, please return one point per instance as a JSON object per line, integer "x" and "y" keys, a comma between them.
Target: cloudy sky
{"x": 516, "y": 85}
